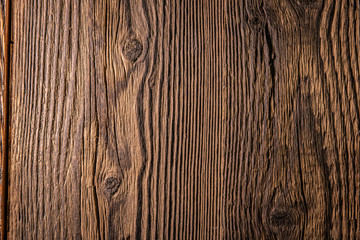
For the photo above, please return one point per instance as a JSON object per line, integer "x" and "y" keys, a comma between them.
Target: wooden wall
{"x": 191, "y": 119}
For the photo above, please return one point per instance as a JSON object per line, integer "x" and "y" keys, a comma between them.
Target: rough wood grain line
{"x": 185, "y": 119}
{"x": 5, "y": 111}
{"x": 2, "y": 55}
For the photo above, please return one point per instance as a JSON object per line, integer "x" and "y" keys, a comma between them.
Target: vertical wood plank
{"x": 293, "y": 120}
{"x": 2, "y": 51}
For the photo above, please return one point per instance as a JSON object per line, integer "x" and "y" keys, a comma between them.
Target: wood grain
{"x": 4, "y": 63}
{"x": 185, "y": 119}
{"x": 2, "y": 50}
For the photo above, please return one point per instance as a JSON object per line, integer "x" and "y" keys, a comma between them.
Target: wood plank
{"x": 185, "y": 119}
{"x": 294, "y": 120}
{"x": 2, "y": 75}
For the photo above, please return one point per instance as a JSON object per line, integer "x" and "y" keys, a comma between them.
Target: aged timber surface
{"x": 188, "y": 119}
{"x": 2, "y": 50}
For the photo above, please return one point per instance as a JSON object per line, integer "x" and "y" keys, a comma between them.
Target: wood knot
{"x": 132, "y": 49}
{"x": 256, "y": 22}
{"x": 111, "y": 185}
{"x": 281, "y": 219}
{"x": 255, "y": 15}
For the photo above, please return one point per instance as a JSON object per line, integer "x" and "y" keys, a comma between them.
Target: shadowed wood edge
{"x": 5, "y": 132}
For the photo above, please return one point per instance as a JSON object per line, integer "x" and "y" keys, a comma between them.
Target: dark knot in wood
{"x": 256, "y": 22}
{"x": 111, "y": 186}
{"x": 281, "y": 219}
{"x": 132, "y": 49}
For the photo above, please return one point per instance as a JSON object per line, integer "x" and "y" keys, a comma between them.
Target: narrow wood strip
{"x": 5, "y": 130}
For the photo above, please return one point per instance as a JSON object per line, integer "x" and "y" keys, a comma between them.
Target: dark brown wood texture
{"x": 185, "y": 119}
{"x": 2, "y": 75}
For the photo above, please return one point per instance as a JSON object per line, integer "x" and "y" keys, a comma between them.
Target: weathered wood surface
{"x": 2, "y": 50}
{"x": 185, "y": 119}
